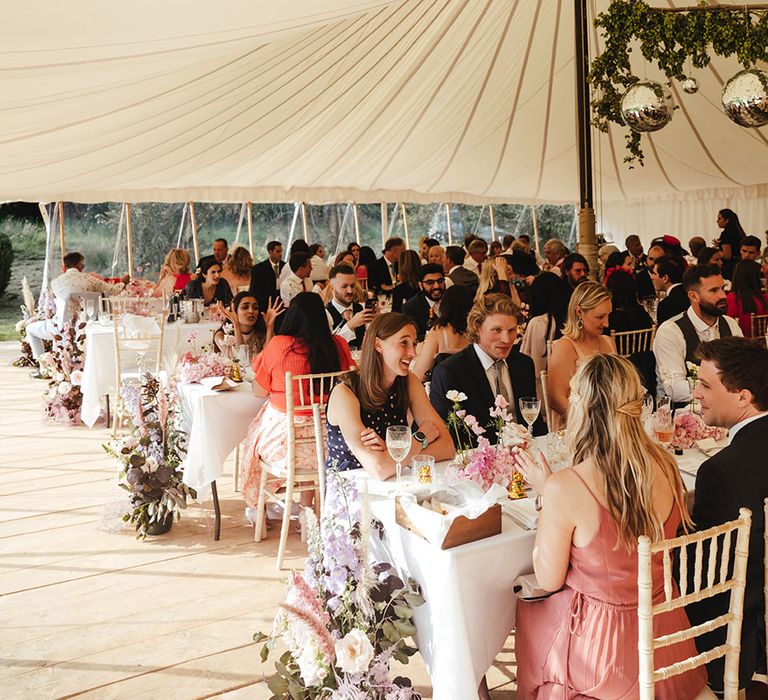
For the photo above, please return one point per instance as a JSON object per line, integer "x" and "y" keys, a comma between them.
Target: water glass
{"x": 398, "y": 445}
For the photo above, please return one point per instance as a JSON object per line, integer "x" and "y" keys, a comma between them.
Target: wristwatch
{"x": 420, "y": 437}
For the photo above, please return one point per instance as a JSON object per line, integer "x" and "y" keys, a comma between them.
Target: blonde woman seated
{"x": 448, "y": 336}
{"x": 496, "y": 278}
{"x": 174, "y": 274}
{"x": 237, "y": 269}
{"x": 581, "y": 642}
{"x": 583, "y": 337}
{"x": 381, "y": 393}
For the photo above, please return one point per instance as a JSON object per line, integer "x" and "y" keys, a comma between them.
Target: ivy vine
{"x": 673, "y": 41}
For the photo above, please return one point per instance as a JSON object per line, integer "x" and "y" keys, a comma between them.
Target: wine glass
{"x": 398, "y": 446}
{"x": 529, "y": 408}
{"x": 647, "y": 408}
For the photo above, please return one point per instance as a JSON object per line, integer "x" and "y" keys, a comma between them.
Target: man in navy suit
{"x": 667, "y": 276}
{"x": 264, "y": 276}
{"x": 422, "y": 307}
{"x": 733, "y": 391}
{"x": 488, "y": 367}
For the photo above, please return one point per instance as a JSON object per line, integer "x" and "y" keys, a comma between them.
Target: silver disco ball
{"x": 690, "y": 86}
{"x": 647, "y": 106}
{"x": 745, "y": 98}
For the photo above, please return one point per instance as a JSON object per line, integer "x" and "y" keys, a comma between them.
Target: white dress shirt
{"x": 669, "y": 349}
{"x": 487, "y": 362}
{"x": 74, "y": 281}
{"x": 735, "y": 428}
{"x": 293, "y": 285}
{"x": 343, "y": 331}
{"x": 472, "y": 264}
{"x": 320, "y": 269}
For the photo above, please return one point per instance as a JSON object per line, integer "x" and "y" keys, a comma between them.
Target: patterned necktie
{"x": 501, "y": 387}
{"x": 277, "y": 270}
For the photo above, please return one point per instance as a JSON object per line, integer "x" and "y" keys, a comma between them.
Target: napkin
{"x": 522, "y": 511}
{"x": 137, "y": 326}
{"x": 218, "y": 383}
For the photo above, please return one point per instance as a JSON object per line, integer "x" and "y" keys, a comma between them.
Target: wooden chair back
{"x": 549, "y": 351}
{"x": 142, "y": 306}
{"x": 759, "y": 324}
{"x": 630, "y": 342}
{"x": 718, "y": 580}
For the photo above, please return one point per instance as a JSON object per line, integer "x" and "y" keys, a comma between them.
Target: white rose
{"x": 151, "y": 464}
{"x": 76, "y": 377}
{"x": 454, "y": 395}
{"x": 59, "y": 376}
{"x": 354, "y": 652}
{"x": 52, "y": 393}
{"x": 65, "y": 388}
{"x": 312, "y": 672}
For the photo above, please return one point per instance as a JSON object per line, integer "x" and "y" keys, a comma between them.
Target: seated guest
{"x": 746, "y": 296}
{"x": 382, "y": 393}
{"x": 209, "y": 285}
{"x": 622, "y": 259}
{"x": 408, "y": 266}
{"x": 455, "y": 270}
{"x": 298, "y": 246}
{"x": 496, "y": 278}
{"x": 448, "y": 335}
{"x": 354, "y": 248}
{"x": 264, "y": 276}
{"x": 547, "y": 318}
{"x": 366, "y": 261}
{"x": 582, "y": 640}
{"x": 421, "y": 308}
{"x": 320, "y": 268}
{"x": 488, "y": 368}
{"x": 603, "y": 253}
{"x": 575, "y": 270}
{"x": 506, "y": 243}
{"x": 667, "y": 276}
{"x": 554, "y": 253}
{"x": 426, "y": 243}
{"x": 477, "y": 254}
{"x": 220, "y": 254}
{"x": 710, "y": 256}
{"x": 627, "y": 314}
{"x": 696, "y": 245}
{"x": 635, "y": 249}
{"x": 733, "y": 391}
{"x": 382, "y": 276}
{"x": 750, "y": 248}
{"x": 678, "y": 339}
{"x": 587, "y": 318}
{"x": 436, "y": 255}
{"x": 304, "y": 345}
{"x": 348, "y": 318}
{"x": 347, "y": 258}
{"x": 246, "y": 325}
{"x": 237, "y": 270}
{"x": 297, "y": 280}
{"x": 174, "y": 274}
{"x": 494, "y": 249}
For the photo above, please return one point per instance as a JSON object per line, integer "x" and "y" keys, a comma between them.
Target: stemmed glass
{"x": 529, "y": 408}
{"x": 398, "y": 446}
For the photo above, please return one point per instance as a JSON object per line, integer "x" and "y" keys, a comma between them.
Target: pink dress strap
{"x": 587, "y": 486}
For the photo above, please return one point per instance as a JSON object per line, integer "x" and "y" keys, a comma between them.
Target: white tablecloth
{"x": 99, "y": 366}
{"x": 216, "y": 422}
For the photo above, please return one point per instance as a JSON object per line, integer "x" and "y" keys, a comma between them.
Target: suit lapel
{"x": 478, "y": 378}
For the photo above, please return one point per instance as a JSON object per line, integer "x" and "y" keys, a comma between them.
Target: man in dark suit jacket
{"x": 453, "y": 265}
{"x": 733, "y": 390}
{"x": 667, "y": 276}
{"x": 488, "y": 367}
{"x": 382, "y": 277}
{"x": 421, "y": 307}
{"x": 264, "y": 275}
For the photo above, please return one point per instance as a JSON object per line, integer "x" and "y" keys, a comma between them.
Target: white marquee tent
{"x": 336, "y": 100}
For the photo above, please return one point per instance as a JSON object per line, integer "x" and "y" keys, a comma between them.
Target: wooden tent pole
{"x": 493, "y": 223}
{"x": 384, "y": 222}
{"x": 357, "y": 222}
{"x": 129, "y": 237}
{"x": 249, "y": 208}
{"x": 61, "y": 231}
{"x": 405, "y": 226}
{"x": 304, "y": 221}
{"x": 535, "y": 230}
{"x": 193, "y": 221}
{"x": 450, "y": 226}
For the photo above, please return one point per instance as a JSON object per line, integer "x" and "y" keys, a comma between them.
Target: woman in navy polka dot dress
{"x": 382, "y": 392}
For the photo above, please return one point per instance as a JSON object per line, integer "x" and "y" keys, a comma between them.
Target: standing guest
{"x": 366, "y": 261}
{"x": 349, "y": 319}
{"x": 587, "y": 318}
{"x": 746, "y": 296}
{"x": 635, "y": 249}
{"x": 298, "y": 280}
{"x": 696, "y": 245}
{"x": 477, "y": 255}
{"x": 468, "y": 240}
{"x": 582, "y": 640}
{"x": 525, "y": 240}
{"x": 237, "y": 269}
{"x": 354, "y": 248}
{"x": 710, "y": 256}
{"x": 209, "y": 285}
{"x": 264, "y": 276}
{"x": 506, "y": 243}
{"x": 487, "y": 368}
{"x": 408, "y": 268}
{"x": 733, "y": 391}
{"x": 731, "y": 236}
{"x": 383, "y": 393}
{"x": 382, "y": 277}
{"x": 298, "y": 246}
{"x": 575, "y": 270}
{"x": 554, "y": 253}
{"x": 456, "y": 272}
{"x": 547, "y": 318}
{"x": 174, "y": 274}
{"x": 670, "y": 245}
{"x": 494, "y": 249}
{"x": 220, "y": 253}
{"x": 677, "y": 340}
{"x": 448, "y": 335}
{"x": 304, "y": 345}
{"x": 425, "y": 245}
{"x": 667, "y": 277}
{"x": 319, "y": 266}
{"x": 654, "y": 253}
{"x": 421, "y": 308}
{"x": 246, "y": 325}
{"x": 436, "y": 255}
{"x": 627, "y": 314}
{"x": 750, "y": 248}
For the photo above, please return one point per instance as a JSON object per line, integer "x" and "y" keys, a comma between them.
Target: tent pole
{"x": 61, "y": 232}
{"x": 448, "y": 220}
{"x": 293, "y": 224}
{"x": 587, "y": 240}
{"x": 181, "y": 225}
{"x": 493, "y": 223}
{"x": 405, "y": 226}
{"x": 535, "y": 230}
{"x": 384, "y": 222}
{"x": 304, "y": 221}
{"x": 129, "y": 237}
{"x": 193, "y": 221}
{"x": 357, "y": 222}
{"x": 249, "y": 210}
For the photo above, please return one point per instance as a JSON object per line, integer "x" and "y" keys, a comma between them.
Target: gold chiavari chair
{"x": 630, "y": 342}
{"x": 759, "y": 325}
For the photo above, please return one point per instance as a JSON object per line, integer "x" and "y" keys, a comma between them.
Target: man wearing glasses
{"x": 422, "y": 307}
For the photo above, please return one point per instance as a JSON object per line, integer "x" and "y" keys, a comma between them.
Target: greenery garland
{"x": 673, "y": 40}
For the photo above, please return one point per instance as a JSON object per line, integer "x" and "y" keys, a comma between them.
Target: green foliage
{"x": 6, "y": 261}
{"x": 671, "y": 40}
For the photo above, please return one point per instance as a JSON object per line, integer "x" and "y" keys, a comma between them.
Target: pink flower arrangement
{"x": 64, "y": 366}
{"x": 193, "y": 368}
{"x": 690, "y": 428}
{"x": 487, "y": 465}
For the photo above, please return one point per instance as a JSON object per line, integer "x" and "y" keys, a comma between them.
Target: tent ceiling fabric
{"x": 333, "y": 100}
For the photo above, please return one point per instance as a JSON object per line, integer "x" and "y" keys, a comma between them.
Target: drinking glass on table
{"x": 663, "y": 425}
{"x": 398, "y": 445}
{"x": 529, "y": 408}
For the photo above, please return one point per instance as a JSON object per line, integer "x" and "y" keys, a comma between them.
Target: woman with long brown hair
{"x": 582, "y": 640}
{"x": 408, "y": 267}
{"x": 381, "y": 393}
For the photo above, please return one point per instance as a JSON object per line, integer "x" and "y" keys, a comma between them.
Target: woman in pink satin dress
{"x": 581, "y": 642}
